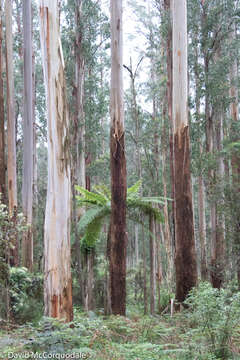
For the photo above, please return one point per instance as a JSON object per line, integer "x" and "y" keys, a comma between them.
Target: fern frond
{"x": 146, "y": 207}
{"x": 134, "y": 189}
{"x": 91, "y": 215}
{"x": 90, "y": 197}
{"x": 103, "y": 190}
{"x": 91, "y": 223}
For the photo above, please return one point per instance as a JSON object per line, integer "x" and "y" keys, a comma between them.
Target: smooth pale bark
{"x": 11, "y": 132}
{"x": 2, "y": 131}
{"x": 118, "y": 243}
{"x": 27, "y": 181}
{"x": 185, "y": 260}
{"x": 57, "y": 276}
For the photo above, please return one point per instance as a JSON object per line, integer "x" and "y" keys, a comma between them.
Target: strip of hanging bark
{"x": 185, "y": 260}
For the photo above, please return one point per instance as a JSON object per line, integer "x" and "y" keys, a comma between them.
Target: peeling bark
{"x": 57, "y": 275}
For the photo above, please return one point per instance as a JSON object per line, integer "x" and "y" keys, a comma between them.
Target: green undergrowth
{"x": 113, "y": 338}
{"x": 208, "y": 329}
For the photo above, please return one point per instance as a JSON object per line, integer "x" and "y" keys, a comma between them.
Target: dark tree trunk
{"x": 185, "y": 261}
{"x": 118, "y": 225}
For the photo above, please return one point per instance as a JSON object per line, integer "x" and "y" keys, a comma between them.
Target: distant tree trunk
{"x": 202, "y": 227}
{"x": 79, "y": 137}
{"x": 218, "y": 253}
{"x": 12, "y": 182}
{"x": 11, "y": 129}
{"x": 235, "y": 161}
{"x": 145, "y": 299}
{"x": 2, "y": 131}
{"x": 185, "y": 260}
{"x": 152, "y": 251}
{"x": 118, "y": 243}
{"x": 167, "y": 234}
{"x": 107, "y": 305}
{"x": 58, "y": 281}
{"x": 90, "y": 259}
{"x": 168, "y": 10}
{"x": 201, "y": 190}
{"x": 159, "y": 274}
{"x": 27, "y": 181}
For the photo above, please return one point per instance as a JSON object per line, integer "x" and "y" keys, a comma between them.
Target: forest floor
{"x": 112, "y": 338}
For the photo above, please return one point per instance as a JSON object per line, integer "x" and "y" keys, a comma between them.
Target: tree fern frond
{"x": 91, "y": 223}
{"x": 89, "y": 196}
{"x": 103, "y": 190}
{"x": 134, "y": 189}
{"x": 92, "y": 234}
{"x": 91, "y": 215}
{"x": 146, "y": 207}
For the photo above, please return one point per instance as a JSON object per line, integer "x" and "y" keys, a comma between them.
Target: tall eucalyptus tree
{"x": 185, "y": 260}
{"x": 118, "y": 237}
{"x": 57, "y": 277}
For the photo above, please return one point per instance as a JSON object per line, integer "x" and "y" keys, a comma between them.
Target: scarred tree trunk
{"x": 118, "y": 241}
{"x": 185, "y": 260}
{"x": 57, "y": 281}
{"x": 27, "y": 182}
{"x": 2, "y": 131}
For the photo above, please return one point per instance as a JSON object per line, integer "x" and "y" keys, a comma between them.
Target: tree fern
{"x": 99, "y": 208}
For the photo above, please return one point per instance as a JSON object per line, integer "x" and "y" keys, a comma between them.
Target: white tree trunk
{"x": 27, "y": 182}
{"x": 58, "y": 282}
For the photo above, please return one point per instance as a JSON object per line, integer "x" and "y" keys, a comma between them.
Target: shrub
{"x": 26, "y": 295}
{"x": 214, "y": 316}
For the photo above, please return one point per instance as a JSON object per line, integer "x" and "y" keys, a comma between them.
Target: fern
{"x": 134, "y": 189}
{"x": 146, "y": 207}
{"x": 91, "y": 223}
{"x": 99, "y": 208}
{"x": 90, "y": 197}
{"x": 103, "y": 190}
